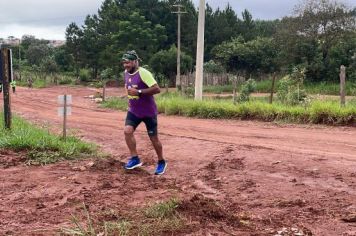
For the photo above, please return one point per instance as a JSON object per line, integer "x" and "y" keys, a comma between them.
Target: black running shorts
{"x": 150, "y": 122}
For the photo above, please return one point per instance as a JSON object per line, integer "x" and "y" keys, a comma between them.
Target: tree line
{"x": 319, "y": 37}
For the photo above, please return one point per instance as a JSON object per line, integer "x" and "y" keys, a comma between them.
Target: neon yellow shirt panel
{"x": 147, "y": 77}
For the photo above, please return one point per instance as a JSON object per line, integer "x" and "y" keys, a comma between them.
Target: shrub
{"x": 290, "y": 88}
{"x": 84, "y": 75}
{"x": 246, "y": 89}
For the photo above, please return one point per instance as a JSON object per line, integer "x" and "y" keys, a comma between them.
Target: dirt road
{"x": 279, "y": 179}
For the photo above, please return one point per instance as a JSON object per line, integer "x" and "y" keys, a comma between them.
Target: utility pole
{"x": 178, "y": 79}
{"x": 200, "y": 53}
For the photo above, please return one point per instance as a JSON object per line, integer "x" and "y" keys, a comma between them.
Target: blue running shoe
{"x": 161, "y": 167}
{"x": 133, "y": 163}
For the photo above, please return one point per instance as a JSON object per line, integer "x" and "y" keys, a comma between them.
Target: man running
{"x": 141, "y": 86}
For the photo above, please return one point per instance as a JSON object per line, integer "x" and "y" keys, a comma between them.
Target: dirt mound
{"x": 104, "y": 164}
{"x": 207, "y": 210}
{"x": 9, "y": 158}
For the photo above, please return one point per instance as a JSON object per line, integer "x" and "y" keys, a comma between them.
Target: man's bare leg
{"x": 130, "y": 140}
{"x": 157, "y": 146}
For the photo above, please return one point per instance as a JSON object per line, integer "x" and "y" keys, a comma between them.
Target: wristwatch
{"x": 139, "y": 92}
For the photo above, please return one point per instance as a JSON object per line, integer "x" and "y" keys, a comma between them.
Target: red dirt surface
{"x": 233, "y": 177}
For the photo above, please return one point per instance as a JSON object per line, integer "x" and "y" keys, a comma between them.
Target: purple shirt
{"x": 145, "y": 105}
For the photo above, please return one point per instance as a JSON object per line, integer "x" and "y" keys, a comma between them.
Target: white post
{"x": 200, "y": 53}
{"x": 65, "y": 117}
{"x": 179, "y": 81}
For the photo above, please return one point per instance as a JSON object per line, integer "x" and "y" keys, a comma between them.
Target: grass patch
{"x": 115, "y": 103}
{"x": 41, "y": 146}
{"x": 317, "y": 112}
{"x": 155, "y": 219}
{"x": 330, "y": 88}
{"x": 264, "y": 86}
{"x": 162, "y": 210}
{"x": 218, "y": 89}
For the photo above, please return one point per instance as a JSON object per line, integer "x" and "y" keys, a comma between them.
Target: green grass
{"x": 162, "y": 209}
{"x": 154, "y": 219}
{"x": 44, "y": 81}
{"x": 330, "y": 88}
{"x": 218, "y": 89}
{"x": 40, "y": 146}
{"x": 115, "y": 103}
{"x": 317, "y": 112}
{"x": 264, "y": 86}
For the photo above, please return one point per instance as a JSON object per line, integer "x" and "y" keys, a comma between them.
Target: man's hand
{"x": 132, "y": 92}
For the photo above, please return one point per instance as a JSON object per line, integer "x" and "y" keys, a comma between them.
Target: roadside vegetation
{"x": 154, "y": 219}
{"x": 317, "y": 112}
{"x": 39, "y": 146}
{"x": 264, "y": 86}
{"x": 292, "y": 104}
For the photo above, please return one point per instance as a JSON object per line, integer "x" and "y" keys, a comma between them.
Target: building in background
{"x": 12, "y": 41}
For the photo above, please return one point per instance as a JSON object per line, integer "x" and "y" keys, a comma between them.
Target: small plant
{"x": 189, "y": 91}
{"x": 65, "y": 80}
{"x": 81, "y": 229}
{"x": 162, "y": 210}
{"x": 290, "y": 88}
{"x": 163, "y": 217}
{"x": 120, "y": 228}
{"x": 246, "y": 89}
{"x": 84, "y": 75}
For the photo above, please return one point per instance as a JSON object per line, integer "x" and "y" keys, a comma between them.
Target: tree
{"x": 250, "y": 57}
{"x": 343, "y": 53}
{"x": 213, "y": 67}
{"x": 49, "y": 66}
{"x": 164, "y": 62}
{"x": 63, "y": 59}
{"x": 139, "y": 34}
{"x": 74, "y": 38}
{"x": 110, "y": 14}
{"x": 220, "y": 26}
{"x": 36, "y": 53}
{"x": 90, "y": 44}
{"x": 248, "y": 25}
{"x": 28, "y": 40}
{"x": 317, "y": 26}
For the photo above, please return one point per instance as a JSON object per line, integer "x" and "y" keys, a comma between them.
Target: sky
{"x": 48, "y": 19}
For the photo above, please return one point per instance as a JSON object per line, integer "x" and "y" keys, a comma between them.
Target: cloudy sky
{"x": 49, "y": 18}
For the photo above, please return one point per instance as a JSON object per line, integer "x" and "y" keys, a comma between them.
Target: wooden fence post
{"x": 342, "y": 85}
{"x": 234, "y": 83}
{"x": 272, "y": 89}
{"x": 6, "y": 71}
